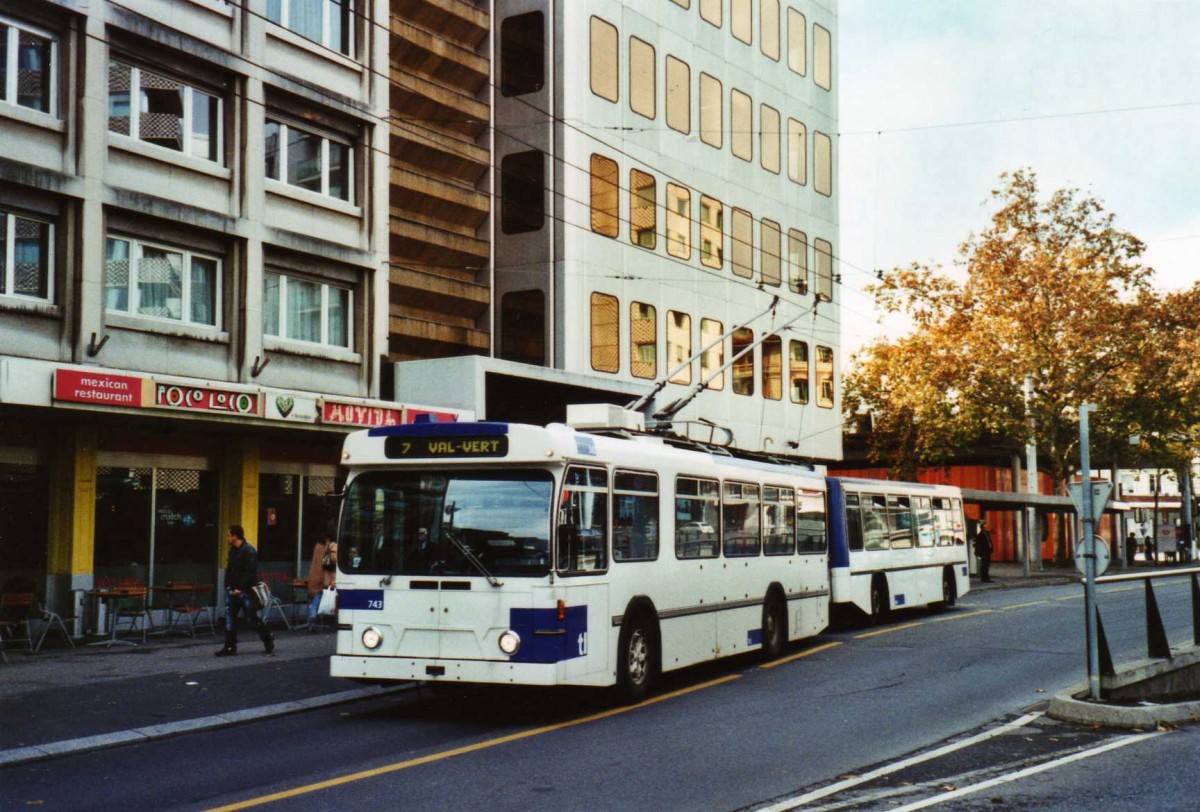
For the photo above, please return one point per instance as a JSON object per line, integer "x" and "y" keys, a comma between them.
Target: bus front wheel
{"x": 636, "y": 665}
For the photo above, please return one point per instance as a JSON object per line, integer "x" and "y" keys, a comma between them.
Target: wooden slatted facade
{"x": 440, "y": 288}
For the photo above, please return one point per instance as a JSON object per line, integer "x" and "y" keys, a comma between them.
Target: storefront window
{"x": 123, "y": 499}
{"x": 186, "y": 532}
{"x": 293, "y": 516}
{"x": 23, "y": 495}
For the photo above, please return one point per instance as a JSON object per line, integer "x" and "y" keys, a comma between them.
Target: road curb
{"x": 1067, "y": 708}
{"x": 40, "y": 752}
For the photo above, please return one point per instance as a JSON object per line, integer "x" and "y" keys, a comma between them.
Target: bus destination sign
{"x": 409, "y": 448}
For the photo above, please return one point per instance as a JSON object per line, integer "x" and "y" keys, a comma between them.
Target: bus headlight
{"x": 510, "y": 642}
{"x": 372, "y": 638}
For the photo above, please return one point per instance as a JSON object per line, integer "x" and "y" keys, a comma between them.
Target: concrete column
{"x": 72, "y": 527}
{"x": 239, "y": 490}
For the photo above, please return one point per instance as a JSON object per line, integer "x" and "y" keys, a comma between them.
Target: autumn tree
{"x": 1052, "y": 289}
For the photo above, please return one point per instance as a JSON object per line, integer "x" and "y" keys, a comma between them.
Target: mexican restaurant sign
{"x": 100, "y": 388}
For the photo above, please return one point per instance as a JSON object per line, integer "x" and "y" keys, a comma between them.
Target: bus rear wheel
{"x": 637, "y": 660}
{"x": 879, "y": 602}
{"x": 774, "y": 629}
{"x": 948, "y": 596}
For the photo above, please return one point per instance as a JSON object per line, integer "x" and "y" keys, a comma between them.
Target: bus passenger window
{"x": 697, "y": 511}
{"x": 874, "y": 523}
{"x": 635, "y": 516}
{"x": 779, "y": 521}
{"x": 810, "y": 523}
{"x": 854, "y": 527}
{"x": 926, "y": 529}
{"x": 583, "y": 521}
{"x": 900, "y": 523}
{"x": 740, "y": 520}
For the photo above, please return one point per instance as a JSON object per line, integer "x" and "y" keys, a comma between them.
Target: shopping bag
{"x": 328, "y": 604}
{"x": 261, "y": 594}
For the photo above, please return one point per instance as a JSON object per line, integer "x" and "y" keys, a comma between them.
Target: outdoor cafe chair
{"x": 195, "y": 610}
{"x": 16, "y": 610}
{"x": 132, "y": 606}
{"x": 50, "y": 620}
{"x": 275, "y": 605}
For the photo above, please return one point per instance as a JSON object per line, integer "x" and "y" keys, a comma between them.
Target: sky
{"x": 939, "y": 97}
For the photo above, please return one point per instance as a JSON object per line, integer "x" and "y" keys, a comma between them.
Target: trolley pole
{"x": 1089, "y": 540}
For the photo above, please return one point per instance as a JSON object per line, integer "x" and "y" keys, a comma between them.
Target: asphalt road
{"x": 740, "y": 734}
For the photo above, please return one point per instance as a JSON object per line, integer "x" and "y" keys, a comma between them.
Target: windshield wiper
{"x": 470, "y": 556}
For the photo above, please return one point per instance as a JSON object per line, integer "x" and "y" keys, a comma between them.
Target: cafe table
{"x": 111, "y": 598}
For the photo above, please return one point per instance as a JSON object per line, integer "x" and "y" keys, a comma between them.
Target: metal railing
{"x": 1157, "y": 645}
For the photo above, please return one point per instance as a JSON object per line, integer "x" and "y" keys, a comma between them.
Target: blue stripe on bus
{"x": 440, "y": 430}
{"x": 360, "y": 599}
{"x": 839, "y": 552}
{"x": 545, "y": 638}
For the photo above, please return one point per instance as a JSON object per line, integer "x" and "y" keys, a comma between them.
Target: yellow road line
{"x": 459, "y": 751}
{"x": 805, "y": 653}
{"x": 960, "y": 617}
{"x": 888, "y": 630}
{"x": 1022, "y": 605}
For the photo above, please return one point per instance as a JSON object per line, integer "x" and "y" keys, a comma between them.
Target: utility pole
{"x": 1089, "y": 542}
{"x": 1189, "y": 529}
{"x": 1031, "y": 485}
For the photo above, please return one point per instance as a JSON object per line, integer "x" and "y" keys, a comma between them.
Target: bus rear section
{"x": 895, "y": 545}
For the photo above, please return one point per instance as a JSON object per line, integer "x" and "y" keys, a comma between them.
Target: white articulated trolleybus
{"x": 514, "y": 554}
{"x": 895, "y": 544}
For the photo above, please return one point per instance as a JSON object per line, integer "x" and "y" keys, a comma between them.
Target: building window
{"x": 741, "y": 133}
{"x": 161, "y": 282}
{"x": 522, "y": 54}
{"x": 743, "y": 366}
{"x": 523, "y": 327}
{"x": 605, "y": 214}
{"x": 797, "y": 31}
{"x": 641, "y": 78}
{"x": 679, "y": 95}
{"x": 798, "y": 371}
{"x": 605, "y": 60}
{"x": 772, "y": 368}
{"x": 302, "y": 158}
{"x": 771, "y": 252}
{"x": 824, "y": 377}
{"x": 28, "y": 67}
{"x": 768, "y": 142}
{"x": 712, "y": 232}
{"x": 741, "y": 21}
{"x": 798, "y": 261}
{"x": 769, "y": 28}
{"x": 168, "y": 113}
{"x": 325, "y": 21}
{"x": 822, "y": 163}
{"x": 679, "y": 221}
{"x": 522, "y": 192}
{"x": 822, "y": 58}
{"x": 824, "y": 255}
{"x": 643, "y": 340}
{"x": 605, "y": 333}
{"x": 643, "y": 209}
{"x": 710, "y": 11}
{"x": 25, "y": 257}
{"x": 742, "y": 240}
{"x": 797, "y": 137}
{"x": 679, "y": 345}
{"x": 713, "y": 357}
{"x": 299, "y": 310}
{"x": 712, "y": 124}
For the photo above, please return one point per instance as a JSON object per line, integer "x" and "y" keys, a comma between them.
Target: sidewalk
{"x": 65, "y": 700}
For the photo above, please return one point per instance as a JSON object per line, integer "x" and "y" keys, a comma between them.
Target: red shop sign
{"x": 99, "y": 388}
{"x": 349, "y": 414}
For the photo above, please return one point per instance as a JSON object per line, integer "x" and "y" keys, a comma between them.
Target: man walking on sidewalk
{"x": 241, "y": 574}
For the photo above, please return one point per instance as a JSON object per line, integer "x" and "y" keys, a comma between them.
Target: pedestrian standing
{"x": 321, "y": 575}
{"x": 241, "y": 574}
{"x": 983, "y": 553}
{"x": 1151, "y": 548}
{"x": 1131, "y": 545}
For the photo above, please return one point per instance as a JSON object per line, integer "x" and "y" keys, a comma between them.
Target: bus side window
{"x": 697, "y": 516}
{"x": 740, "y": 520}
{"x": 583, "y": 521}
{"x": 635, "y": 516}
{"x": 810, "y": 523}
{"x": 874, "y": 521}
{"x": 854, "y": 528}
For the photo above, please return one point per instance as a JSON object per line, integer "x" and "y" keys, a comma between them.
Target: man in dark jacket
{"x": 241, "y": 574}
{"x": 983, "y": 552}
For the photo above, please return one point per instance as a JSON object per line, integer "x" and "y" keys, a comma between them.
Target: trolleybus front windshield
{"x": 422, "y": 523}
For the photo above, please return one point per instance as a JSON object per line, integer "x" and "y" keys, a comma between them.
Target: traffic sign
{"x": 1101, "y": 491}
{"x": 1103, "y": 556}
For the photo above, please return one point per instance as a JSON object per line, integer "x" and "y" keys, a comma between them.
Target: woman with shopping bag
{"x": 321, "y": 577}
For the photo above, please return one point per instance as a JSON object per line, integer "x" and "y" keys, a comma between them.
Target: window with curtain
{"x": 298, "y": 309}
{"x": 327, "y": 22}
{"x": 605, "y": 332}
{"x": 169, "y": 113}
{"x": 28, "y": 67}
{"x": 26, "y": 267}
{"x": 152, "y": 280}
{"x": 643, "y": 340}
{"x": 308, "y": 160}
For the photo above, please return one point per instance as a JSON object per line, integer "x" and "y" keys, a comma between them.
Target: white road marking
{"x": 824, "y": 792}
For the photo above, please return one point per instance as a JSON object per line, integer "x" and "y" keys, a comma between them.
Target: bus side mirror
{"x": 334, "y": 498}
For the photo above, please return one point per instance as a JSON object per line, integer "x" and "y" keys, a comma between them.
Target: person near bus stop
{"x": 1131, "y": 545}
{"x": 983, "y": 552}
{"x": 321, "y": 575}
{"x": 241, "y": 574}
{"x": 1150, "y": 546}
